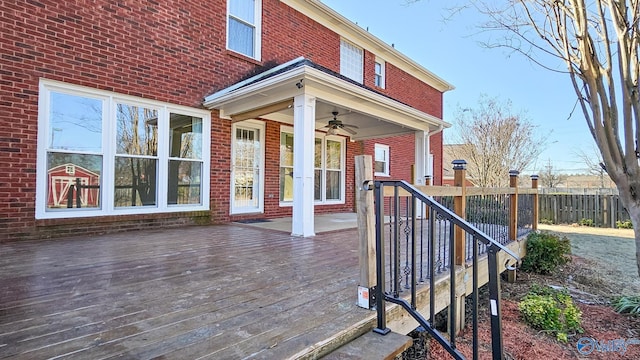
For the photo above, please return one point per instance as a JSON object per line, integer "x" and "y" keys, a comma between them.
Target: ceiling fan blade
{"x": 349, "y": 130}
{"x": 351, "y": 126}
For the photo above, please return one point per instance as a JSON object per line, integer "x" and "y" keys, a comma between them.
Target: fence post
{"x": 513, "y": 217}
{"x": 460, "y": 207}
{"x": 536, "y": 211}
{"x": 366, "y": 230}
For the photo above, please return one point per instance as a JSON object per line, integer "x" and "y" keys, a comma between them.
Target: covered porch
{"x": 315, "y": 101}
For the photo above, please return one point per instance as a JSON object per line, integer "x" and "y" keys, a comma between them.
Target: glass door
{"x": 247, "y": 169}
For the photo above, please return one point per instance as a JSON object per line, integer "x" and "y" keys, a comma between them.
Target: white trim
{"x": 257, "y": 26}
{"x": 394, "y": 111}
{"x": 260, "y": 127}
{"x": 108, "y": 153}
{"x": 242, "y": 83}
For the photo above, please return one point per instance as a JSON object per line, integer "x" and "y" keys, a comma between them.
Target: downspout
{"x": 439, "y": 129}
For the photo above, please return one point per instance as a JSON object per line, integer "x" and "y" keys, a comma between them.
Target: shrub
{"x": 546, "y": 221}
{"x": 627, "y": 305}
{"x": 545, "y": 252}
{"x": 551, "y": 310}
{"x": 586, "y": 222}
{"x": 624, "y": 224}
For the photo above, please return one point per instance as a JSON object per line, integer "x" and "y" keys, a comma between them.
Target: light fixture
{"x": 332, "y": 131}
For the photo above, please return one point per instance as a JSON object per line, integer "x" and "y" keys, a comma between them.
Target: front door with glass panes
{"x": 247, "y": 170}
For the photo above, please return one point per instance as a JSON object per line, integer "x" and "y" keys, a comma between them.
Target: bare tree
{"x": 594, "y": 163}
{"x": 549, "y": 176}
{"x": 494, "y": 140}
{"x": 597, "y": 42}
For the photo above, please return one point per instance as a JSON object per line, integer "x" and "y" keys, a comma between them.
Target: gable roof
{"x": 331, "y": 19}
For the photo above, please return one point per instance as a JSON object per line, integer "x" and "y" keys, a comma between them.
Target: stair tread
{"x": 372, "y": 346}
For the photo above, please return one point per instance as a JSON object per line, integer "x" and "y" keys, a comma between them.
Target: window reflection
{"x": 185, "y": 165}
{"x": 135, "y": 181}
{"x": 75, "y": 123}
{"x": 73, "y": 181}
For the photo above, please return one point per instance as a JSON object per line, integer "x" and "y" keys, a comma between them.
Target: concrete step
{"x": 372, "y": 346}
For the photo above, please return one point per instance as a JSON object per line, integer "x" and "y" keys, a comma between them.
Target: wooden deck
{"x": 210, "y": 292}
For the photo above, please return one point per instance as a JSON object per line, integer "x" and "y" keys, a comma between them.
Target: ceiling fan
{"x": 334, "y": 125}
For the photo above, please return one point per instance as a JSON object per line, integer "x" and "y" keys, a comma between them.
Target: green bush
{"x": 546, "y": 221}
{"x": 627, "y": 305}
{"x": 586, "y": 222}
{"x": 551, "y": 310}
{"x": 545, "y": 252}
{"x": 624, "y": 224}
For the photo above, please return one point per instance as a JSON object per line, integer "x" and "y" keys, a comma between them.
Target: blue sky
{"x": 451, "y": 50}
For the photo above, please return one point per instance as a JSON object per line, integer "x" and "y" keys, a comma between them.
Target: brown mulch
{"x": 589, "y": 292}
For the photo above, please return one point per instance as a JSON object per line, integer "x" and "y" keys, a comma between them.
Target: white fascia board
{"x": 211, "y": 98}
{"x": 413, "y": 118}
{"x": 375, "y": 98}
{"x": 344, "y": 27}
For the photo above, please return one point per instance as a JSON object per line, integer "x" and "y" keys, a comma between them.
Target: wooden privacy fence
{"x": 597, "y": 209}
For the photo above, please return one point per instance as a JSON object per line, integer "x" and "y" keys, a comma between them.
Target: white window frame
{"x": 379, "y": 77}
{"x": 260, "y": 127}
{"x": 108, "y": 153}
{"x": 343, "y": 151}
{"x": 257, "y": 28}
{"x": 351, "y": 61}
{"x": 385, "y": 150}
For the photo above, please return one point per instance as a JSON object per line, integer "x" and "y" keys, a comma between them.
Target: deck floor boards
{"x": 210, "y": 292}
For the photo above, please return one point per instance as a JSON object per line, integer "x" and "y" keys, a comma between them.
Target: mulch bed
{"x": 600, "y": 322}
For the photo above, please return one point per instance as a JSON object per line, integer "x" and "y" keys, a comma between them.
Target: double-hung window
{"x": 381, "y": 162}
{"x": 244, "y": 27}
{"x": 351, "y": 61}
{"x": 379, "y": 73}
{"x": 329, "y": 168}
{"x": 102, "y": 153}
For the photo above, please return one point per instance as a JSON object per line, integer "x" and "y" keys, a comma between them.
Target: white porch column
{"x": 304, "y": 113}
{"x": 421, "y": 156}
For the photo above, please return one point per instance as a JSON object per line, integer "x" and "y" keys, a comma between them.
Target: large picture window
{"x": 101, "y": 153}
{"x": 243, "y": 27}
{"x": 329, "y": 160}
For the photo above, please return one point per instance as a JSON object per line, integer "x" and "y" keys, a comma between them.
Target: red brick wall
{"x": 170, "y": 51}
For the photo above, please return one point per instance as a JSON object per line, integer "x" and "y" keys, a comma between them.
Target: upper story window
{"x": 102, "y": 153}
{"x": 351, "y": 61}
{"x": 379, "y": 73}
{"x": 381, "y": 162}
{"x": 243, "y": 27}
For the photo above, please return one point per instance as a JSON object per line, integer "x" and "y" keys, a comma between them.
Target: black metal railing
{"x": 525, "y": 214}
{"x": 419, "y": 235}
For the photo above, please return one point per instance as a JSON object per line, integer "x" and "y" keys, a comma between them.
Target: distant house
{"x": 200, "y": 112}
{"x": 449, "y": 152}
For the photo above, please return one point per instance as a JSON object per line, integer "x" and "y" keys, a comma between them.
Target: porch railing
{"x": 419, "y": 250}
{"x": 423, "y": 243}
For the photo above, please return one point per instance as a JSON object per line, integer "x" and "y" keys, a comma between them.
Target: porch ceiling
{"x": 270, "y": 96}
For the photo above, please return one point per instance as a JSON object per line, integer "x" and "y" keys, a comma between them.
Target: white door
{"x": 247, "y": 174}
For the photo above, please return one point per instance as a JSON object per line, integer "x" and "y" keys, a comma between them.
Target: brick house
{"x": 188, "y": 112}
